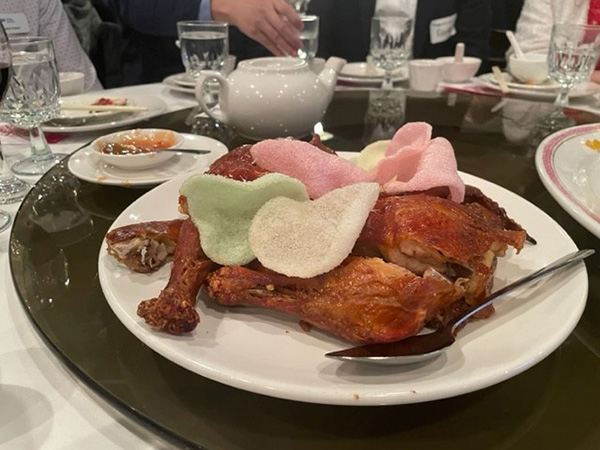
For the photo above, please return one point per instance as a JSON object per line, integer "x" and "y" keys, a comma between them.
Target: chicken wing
{"x": 144, "y": 247}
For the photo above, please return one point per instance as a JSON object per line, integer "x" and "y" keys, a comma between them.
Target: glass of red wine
{"x": 11, "y": 188}
{"x": 32, "y": 98}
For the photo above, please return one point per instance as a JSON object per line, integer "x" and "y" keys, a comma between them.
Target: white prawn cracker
{"x": 306, "y": 239}
{"x": 223, "y": 209}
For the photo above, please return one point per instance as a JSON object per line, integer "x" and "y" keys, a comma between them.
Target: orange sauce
{"x": 136, "y": 142}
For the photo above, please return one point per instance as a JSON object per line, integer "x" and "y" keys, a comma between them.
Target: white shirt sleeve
{"x": 534, "y": 26}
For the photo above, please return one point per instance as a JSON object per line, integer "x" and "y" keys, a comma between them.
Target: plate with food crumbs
{"x": 142, "y": 107}
{"x": 568, "y": 163}
{"x": 270, "y": 353}
{"x": 540, "y": 91}
{"x": 86, "y": 165}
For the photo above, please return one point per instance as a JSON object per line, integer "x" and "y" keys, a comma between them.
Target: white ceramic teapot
{"x": 272, "y": 97}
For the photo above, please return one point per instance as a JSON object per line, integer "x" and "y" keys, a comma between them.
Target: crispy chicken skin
{"x": 422, "y": 231}
{"x": 362, "y": 300}
{"x": 174, "y": 310}
{"x": 144, "y": 247}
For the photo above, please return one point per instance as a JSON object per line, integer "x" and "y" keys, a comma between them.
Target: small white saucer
{"x": 84, "y": 164}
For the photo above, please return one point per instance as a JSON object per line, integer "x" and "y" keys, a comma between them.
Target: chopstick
{"x": 499, "y": 76}
{"x": 121, "y": 108}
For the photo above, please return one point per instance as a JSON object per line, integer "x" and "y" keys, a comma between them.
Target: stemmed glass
{"x": 571, "y": 59}
{"x": 391, "y": 44}
{"x": 32, "y": 98}
{"x": 11, "y": 188}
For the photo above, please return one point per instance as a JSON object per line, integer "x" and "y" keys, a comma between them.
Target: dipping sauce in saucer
{"x": 138, "y": 141}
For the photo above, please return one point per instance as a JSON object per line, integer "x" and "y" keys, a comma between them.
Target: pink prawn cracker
{"x": 319, "y": 171}
{"x": 415, "y": 162}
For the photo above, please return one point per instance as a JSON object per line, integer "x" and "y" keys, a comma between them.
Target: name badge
{"x": 14, "y": 23}
{"x": 442, "y": 29}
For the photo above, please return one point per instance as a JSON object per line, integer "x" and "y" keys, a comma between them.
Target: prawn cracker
{"x": 306, "y": 239}
{"x": 223, "y": 209}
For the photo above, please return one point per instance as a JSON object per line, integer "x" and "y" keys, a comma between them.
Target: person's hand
{"x": 596, "y": 76}
{"x": 273, "y": 23}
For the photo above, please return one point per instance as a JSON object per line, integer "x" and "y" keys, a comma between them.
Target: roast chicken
{"x": 420, "y": 259}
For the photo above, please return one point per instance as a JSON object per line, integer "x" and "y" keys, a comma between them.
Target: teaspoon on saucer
{"x": 425, "y": 346}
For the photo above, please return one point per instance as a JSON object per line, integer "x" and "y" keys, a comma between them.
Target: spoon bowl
{"x": 426, "y": 346}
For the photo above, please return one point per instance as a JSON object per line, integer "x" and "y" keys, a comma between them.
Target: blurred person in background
{"x": 85, "y": 21}
{"x": 150, "y": 31}
{"x": 534, "y": 26}
{"x": 438, "y": 26}
{"x": 48, "y": 18}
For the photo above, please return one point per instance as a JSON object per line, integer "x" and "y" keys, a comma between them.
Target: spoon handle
{"x": 571, "y": 258}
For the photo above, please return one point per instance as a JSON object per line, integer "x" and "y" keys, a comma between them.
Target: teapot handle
{"x": 205, "y": 76}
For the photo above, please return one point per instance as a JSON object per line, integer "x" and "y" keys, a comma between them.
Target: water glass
{"x": 310, "y": 38}
{"x": 391, "y": 44}
{"x": 204, "y": 46}
{"x": 572, "y": 57}
{"x": 299, "y": 5}
{"x": 32, "y": 98}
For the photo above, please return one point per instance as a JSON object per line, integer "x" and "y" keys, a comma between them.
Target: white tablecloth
{"x": 42, "y": 405}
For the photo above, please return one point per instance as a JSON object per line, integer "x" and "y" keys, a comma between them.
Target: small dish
{"x": 86, "y": 166}
{"x": 533, "y": 69}
{"x": 459, "y": 72}
{"x": 136, "y": 149}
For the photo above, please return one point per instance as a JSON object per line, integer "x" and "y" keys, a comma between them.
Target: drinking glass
{"x": 572, "y": 57}
{"x": 11, "y": 188}
{"x": 391, "y": 44}
{"x": 310, "y": 38}
{"x": 204, "y": 46}
{"x": 32, "y": 98}
{"x": 299, "y": 5}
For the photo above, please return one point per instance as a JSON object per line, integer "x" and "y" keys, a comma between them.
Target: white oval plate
{"x": 363, "y": 70}
{"x": 570, "y": 170}
{"x": 580, "y": 90}
{"x": 155, "y": 106}
{"x": 268, "y": 353}
{"x": 85, "y": 164}
{"x": 511, "y": 82}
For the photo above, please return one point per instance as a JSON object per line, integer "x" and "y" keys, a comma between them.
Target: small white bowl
{"x": 71, "y": 83}
{"x": 424, "y": 74}
{"x": 531, "y": 70}
{"x": 158, "y": 138}
{"x": 459, "y": 72}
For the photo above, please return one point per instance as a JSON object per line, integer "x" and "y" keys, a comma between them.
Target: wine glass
{"x": 32, "y": 98}
{"x": 11, "y": 188}
{"x": 391, "y": 44}
{"x": 572, "y": 57}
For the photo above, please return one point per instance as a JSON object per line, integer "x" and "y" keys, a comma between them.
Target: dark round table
{"x": 553, "y": 405}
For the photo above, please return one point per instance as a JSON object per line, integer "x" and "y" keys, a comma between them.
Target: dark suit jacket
{"x": 345, "y": 27}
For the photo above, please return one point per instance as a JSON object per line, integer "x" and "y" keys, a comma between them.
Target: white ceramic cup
{"x": 71, "y": 83}
{"x": 533, "y": 69}
{"x": 459, "y": 72}
{"x": 425, "y": 74}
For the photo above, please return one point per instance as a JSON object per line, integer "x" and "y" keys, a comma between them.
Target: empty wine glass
{"x": 32, "y": 98}
{"x": 571, "y": 60}
{"x": 11, "y": 188}
{"x": 391, "y": 44}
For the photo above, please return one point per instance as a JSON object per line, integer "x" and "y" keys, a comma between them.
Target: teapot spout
{"x": 328, "y": 76}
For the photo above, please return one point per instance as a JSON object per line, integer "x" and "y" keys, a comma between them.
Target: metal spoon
{"x": 425, "y": 346}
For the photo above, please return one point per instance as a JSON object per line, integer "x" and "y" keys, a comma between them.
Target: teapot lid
{"x": 274, "y": 64}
